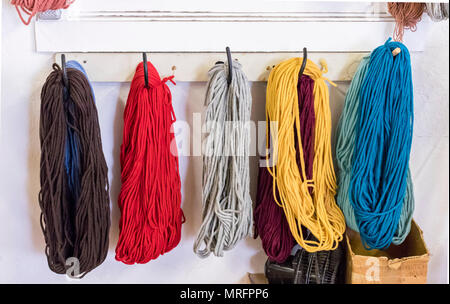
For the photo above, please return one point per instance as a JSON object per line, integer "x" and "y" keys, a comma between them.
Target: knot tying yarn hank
{"x": 307, "y": 203}
{"x": 384, "y": 125}
{"x": 150, "y": 196}
{"x": 227, "y": 206}
{"x": 270, "y": 221}
{"x": 74, "y": 196}
{"x": 32, "y": 7}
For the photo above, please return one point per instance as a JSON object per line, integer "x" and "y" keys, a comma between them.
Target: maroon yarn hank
{"x": 307, "y": 123}
{"x": 270, "y": 221}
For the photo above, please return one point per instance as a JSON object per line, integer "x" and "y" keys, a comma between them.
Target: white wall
{"x": 22, "y": 259}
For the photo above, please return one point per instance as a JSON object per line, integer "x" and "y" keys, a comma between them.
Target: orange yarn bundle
{"x": 32, "y": 7}
{"x": 406, "y": 15}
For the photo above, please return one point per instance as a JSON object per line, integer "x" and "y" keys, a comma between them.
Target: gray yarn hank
{"x": 227, "y": 206}
{"x": 437, "y": 11}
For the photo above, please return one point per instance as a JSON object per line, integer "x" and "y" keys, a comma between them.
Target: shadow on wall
{"x": 116, "y": 174}
{"x": 258, "y": 113}
{"x": 191, "y": 167}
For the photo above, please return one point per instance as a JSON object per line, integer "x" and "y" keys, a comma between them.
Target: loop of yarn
{"x": 315, "y": 210}
{"x": 74, "y": 195}
{"x": 32, "y": 7}
{"x": 379, "y": 174}
{"x": 227, "y": 206}
{"x": 150, "y": 196}
{"x": 407, "y": 15}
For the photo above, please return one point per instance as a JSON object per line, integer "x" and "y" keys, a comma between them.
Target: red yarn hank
{"x": 270, "y": 221}
{"x": 150, "y": 196}
{"x": 32, "y": 7}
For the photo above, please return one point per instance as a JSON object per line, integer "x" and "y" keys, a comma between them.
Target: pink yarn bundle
{"x": 32, "y": 7}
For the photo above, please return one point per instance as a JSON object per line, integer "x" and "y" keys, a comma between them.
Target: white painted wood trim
{"x": 164, "y": 36}
{"x": 83, "y": 6}
{"x": 120, "y": 67}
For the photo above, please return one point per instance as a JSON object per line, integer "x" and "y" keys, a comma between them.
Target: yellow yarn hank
{"x": 318, "y": 212}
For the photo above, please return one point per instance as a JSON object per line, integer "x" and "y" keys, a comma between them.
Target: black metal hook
{"x": 305, "y": 58}
{"x": 144, "y": 58}
{"x": 230, "y": 65}
{"x": 64, "y": 70}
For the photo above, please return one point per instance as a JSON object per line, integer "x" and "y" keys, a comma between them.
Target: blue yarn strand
{"x": 380, "y": 172}
{"x": 72, "y": 64}
{"x": 72, "y": 157}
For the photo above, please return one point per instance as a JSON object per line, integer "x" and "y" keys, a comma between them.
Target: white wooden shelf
{"x": 209, "y": 26}
{"x": 120, "y": 67}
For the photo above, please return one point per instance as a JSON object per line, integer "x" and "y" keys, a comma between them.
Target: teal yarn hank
{"x": 380, "y": 187}
{"x": 346, "y": 134}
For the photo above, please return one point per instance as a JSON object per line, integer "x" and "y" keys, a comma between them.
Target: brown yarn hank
{"x": 407, "y": 15}
{"x": 73, "y": 228}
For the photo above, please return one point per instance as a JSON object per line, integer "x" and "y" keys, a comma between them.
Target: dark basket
{"x": 323, "y": 267}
